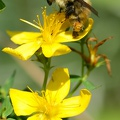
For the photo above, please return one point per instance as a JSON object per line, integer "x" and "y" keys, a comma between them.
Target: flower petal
{"x": 66, "y": 36}
{"x": 75, "y": 105}
{"x": 34, "y": 117}
{"x": 23, "y": 52}
{"x": 54, "y": 49}
{"x": 24, "y": 103}
{"x": 56, "y": 118}
{"x": 24, "y": 37}
{"x": 42, "y": 117}
{"x": 58, "y": 87}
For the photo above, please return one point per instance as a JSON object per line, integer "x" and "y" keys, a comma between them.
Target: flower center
{"x": 52, "y": 25}
{"x": 47, "y": 110}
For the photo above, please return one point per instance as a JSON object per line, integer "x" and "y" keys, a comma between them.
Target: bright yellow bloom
{"x": 52, "y": 104}
{"x": 49, "y": 39}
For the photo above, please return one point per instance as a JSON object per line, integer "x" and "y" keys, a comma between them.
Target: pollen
{"x": 62, "y": 83}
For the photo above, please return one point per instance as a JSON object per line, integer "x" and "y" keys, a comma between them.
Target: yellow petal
{"x": 66, "y": 36}
{"x": 23, "y": 52}
{"x": 36, "y": 117}
{"x": 24, "y": 103}
{"x": 56, "y": 118}
{"x": 58, "y": 87}
{"x": 42, "y": 117}
{"x": 65, "y": 25}
{"x": 54, "y": 49}
{"x": 75, "y": 105}
{"x": 24, "y": 37}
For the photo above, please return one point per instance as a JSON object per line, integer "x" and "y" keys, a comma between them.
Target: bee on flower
{"x": 48, "y": 40}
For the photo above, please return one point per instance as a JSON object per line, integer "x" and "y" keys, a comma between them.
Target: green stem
{"x": 75, "y": 88}
{"x": 82, "y": 69}
{"x": 78, "y": 84}
{"x": 45, "y": 79}
{"x": 46, "y": 69}
{"x": 82, "y": 51}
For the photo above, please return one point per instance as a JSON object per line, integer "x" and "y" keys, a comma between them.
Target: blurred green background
{"x": 105, "y": 103}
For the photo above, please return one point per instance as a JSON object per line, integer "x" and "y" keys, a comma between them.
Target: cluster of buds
{"x": 93, "y": 59}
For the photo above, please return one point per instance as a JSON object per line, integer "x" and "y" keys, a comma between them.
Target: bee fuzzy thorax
{"x": 88, "y": 1}
{"x": 61, "y": 3}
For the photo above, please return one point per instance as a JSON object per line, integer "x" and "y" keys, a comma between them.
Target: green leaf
{"x": 100, "y": 63}
{"x": 89, "y": 85}
{"x": 8, "y": 84}
{"x": 75, "y": 78}
{"x": 2, "y": 5}
{"x": 6, "y": 108}
{"x": 10, "y": 119}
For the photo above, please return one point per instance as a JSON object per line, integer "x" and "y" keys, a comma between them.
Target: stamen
{"x": 30, "y": 24}
{"x": 35, "y": 95}
{"x": 39, "y": 23}
{"x": 30, "y": 89}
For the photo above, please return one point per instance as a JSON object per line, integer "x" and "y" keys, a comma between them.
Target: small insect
{"x": 77, "y": 11}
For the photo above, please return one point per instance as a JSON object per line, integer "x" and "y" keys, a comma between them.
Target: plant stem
{"x": 82, "y": 63}
{"x": 82, "y": 68}
{"x": 46, "y": 69}
{"x": 79, "y": 83}
{"x": 75, "y": 88}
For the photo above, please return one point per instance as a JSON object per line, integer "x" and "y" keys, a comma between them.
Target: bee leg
{"x": 60, "y": 9}
{"x": 75, "y": 34}
{"x": 77, "y": 26}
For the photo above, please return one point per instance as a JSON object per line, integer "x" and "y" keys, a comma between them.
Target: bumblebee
{"x": 77, "y": 11}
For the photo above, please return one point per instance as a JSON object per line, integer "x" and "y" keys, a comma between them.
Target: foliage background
{"x": 105, "y": 102}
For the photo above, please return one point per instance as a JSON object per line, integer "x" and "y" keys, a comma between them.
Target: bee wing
{"x": 84, "y": 4}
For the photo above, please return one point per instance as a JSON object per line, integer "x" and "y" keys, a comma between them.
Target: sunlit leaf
{"x": 10, "y": 119}
{"x": 89, "y": 85}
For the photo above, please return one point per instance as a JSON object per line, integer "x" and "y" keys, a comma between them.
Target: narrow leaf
{"x": 89, "y": 85}
{"x": 75, "y": 78}
{"x": 2, "y": 5}
{"x": 10, "y": 119}
{"x": 8, "y": 84}
{"x": 6, "y": 108}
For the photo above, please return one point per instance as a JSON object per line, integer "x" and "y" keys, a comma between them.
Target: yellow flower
{"x": 49, "y": 39}
{"x": 52, "y": 104}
